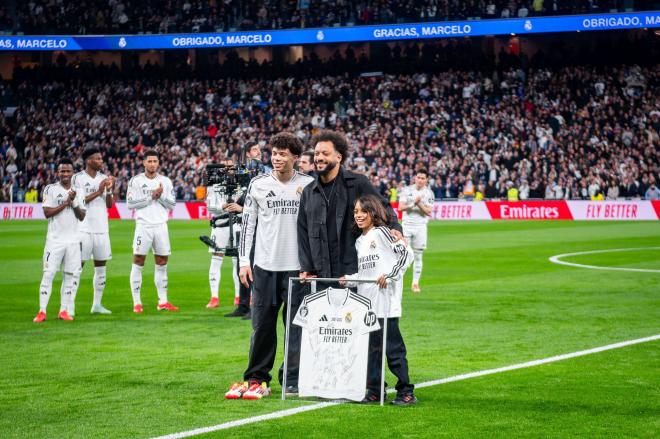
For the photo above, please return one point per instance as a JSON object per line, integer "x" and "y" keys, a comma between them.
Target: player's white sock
{"x": 417, "y": 266}
{"x": 160, "y": 278}
{"x": 75, "y": 283}
{"x": 214, "y": 274}
{"x": 66, "y": 292}
{"x": 99, "y": 284}
{"x": 136, "y": 283}
{"x": 237, "y": 282}
{"x": 45, "y": 289}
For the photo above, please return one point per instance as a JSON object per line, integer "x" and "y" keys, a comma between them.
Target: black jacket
{"x": 313, "y": 248}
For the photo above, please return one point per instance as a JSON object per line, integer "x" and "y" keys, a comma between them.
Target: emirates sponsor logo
{"x": 528, "y": 212}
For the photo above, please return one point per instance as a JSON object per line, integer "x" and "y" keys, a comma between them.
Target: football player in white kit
{"x": 216, "y": 204}
{"x": 64, "y": 209}
{"x": 96, "y": 187}
{"x": 152, "y": 196}
{"x": 416, "y": 202}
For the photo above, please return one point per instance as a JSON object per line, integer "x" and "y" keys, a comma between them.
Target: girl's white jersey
{"x": 380, "y": 254}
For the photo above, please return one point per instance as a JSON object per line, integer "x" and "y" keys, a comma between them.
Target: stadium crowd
{"x": 553, "y": 133}
{"x": 170, "y": 16}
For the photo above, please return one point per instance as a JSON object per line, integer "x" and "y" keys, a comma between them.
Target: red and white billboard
{"x": 442, "y": 210}
{"x": 613, "y": 210}
{"x": 452, "y": 210}
{"x": 25, "y": 211}
{"x": 529, "y": 210}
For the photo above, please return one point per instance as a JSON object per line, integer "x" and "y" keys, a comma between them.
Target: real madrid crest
{"x": 348, "y": 318}
{"x": 372, "y": 245}
{"x": 299, "y": 191}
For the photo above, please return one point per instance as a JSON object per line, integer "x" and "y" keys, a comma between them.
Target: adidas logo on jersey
{"x": 59, "y": 196}
{"x": 271, "y": 194}
{"x": 323, "y": 319}
{"x": 144, "y": 185}
{"x": 87, "y": 184}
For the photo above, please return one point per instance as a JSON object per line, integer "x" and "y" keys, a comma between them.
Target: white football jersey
{"x": 335, "y": 344}
{"x": 150, "y": 211}
{"x": 64, "y": 226}
{"x": 96, "y": 219}
{"x": 380, "y": 254}
{"x": 215, "y": 201}
{"x": 274, "y": 205}
{"x": 415, "y": 216}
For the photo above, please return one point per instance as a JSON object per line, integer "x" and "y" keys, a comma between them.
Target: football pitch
{"x": 490, "y": 298}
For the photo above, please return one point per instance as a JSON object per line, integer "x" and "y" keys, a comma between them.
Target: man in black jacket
{"x": 326, "y": 236}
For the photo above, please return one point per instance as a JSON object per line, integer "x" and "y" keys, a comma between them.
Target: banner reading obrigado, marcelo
{"x": 410, "y": 31}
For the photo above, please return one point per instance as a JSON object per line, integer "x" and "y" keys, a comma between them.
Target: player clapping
{"x": 64, "y": 209}
{"x": 97, "y": 188}
{"x": 416, "y": 203}
{"x": 152, "y": 196}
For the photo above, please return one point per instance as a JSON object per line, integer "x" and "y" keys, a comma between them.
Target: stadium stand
{"x": 554, "y": 132}
{"x": 56, "y": 17}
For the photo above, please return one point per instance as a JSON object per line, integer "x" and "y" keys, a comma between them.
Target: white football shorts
{"x": 148, "y": 237}
{"x": 220, "y": 236}
{"x": 63, "y": 255}
{"x": 416, "y": 236}
{"x": 95, "y": 246}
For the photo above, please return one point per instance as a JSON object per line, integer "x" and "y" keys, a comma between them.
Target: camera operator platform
{"x": 218, "y": 205}
{"x": 226, "y": 184}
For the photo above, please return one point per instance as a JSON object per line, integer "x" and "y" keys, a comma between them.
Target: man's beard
{"x": 328, "y": 167}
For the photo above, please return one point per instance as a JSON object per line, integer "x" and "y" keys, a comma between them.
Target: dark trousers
{"x": 244, "y": 292}
{"x": 243, "y": 295}
{"x": 396, "y": 358}
{"x": 269, "y": 292}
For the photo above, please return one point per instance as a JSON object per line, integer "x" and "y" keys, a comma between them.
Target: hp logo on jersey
{"x": 370, "y": 318}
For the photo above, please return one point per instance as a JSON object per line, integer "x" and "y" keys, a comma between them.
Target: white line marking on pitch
{"x": 322, "y": 405}
{"x": 556, "y": 260}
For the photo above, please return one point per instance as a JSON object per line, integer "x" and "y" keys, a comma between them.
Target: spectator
{"x": 390, "y": 125}
{"x": 32, "y": 196}
{"x": 653, "y": 193}
{"x": 613, "y": 190}
{"x": 491, "y": 190}
{"x": 158, "y": 16}
{"x": 511, "y": 192}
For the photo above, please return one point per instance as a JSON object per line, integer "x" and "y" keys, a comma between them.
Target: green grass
{"x": 490, "y": 298}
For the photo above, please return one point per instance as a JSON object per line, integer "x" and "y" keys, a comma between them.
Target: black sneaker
{"x": 372, "y": 398}
{"x": 247, "y": 316}
{"x": 291, "y": 390}
{"x": 405, "y": 399}
{"x": 237, "y": 313}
